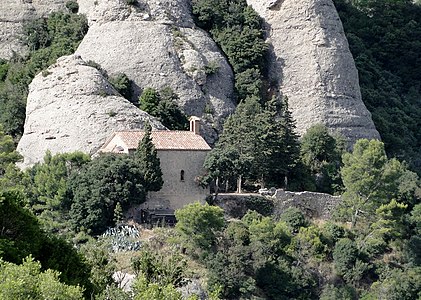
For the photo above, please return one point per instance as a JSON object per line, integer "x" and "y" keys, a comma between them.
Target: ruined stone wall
{"x": 313, "y": 205}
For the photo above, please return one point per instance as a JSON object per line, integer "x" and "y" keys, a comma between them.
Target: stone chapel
{"x": 181, "y": 155}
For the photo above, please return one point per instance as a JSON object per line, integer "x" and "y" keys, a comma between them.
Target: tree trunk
{"x": 262, "y": 182}
{"x": 239, "y": 180}
{"x": 216, "y": 186}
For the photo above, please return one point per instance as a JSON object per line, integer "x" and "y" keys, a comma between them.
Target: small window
{"x": 182, "y": 175}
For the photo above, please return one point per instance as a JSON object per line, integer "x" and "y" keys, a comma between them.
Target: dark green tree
{"x": 22, "y": 235}
{"x": 238, "y": 140}
{"x": 8, "y": 154}
{"x": 99, "y": 186}
{"x": 148, "y": 161}
{"x": 122, "y": 83}
{"x": 47, "y": 188}
{"x": 198, "y": 224}
{"x": 256, "y": 144}
{"x": 370, "y": 179}
{"x": 163, "y": 105}
{"x": 321, "y": 154}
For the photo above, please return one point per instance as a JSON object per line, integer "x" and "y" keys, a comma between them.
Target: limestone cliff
{"x": 311, "y": 62}
{"x": 72, "y": 107}
{"x": 13, "y": 14}
{"x": 156, "y": 44}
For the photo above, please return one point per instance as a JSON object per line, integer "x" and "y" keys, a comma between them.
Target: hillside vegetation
{"x": 53, "y": 215}
{"x": 385, "y": 40}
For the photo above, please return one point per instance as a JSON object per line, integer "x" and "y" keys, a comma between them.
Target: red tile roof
{"x": 164, "y": 140}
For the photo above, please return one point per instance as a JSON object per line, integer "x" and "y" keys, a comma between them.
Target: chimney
{"x": 195, "y": 124}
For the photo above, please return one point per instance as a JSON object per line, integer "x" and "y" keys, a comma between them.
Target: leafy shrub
{"x": 72, "y": 6}
{"x": 345, "y": 255}
{"x": 198, "y": 224}
{"x": 237, "y": 28}
{"x": 27, "y": 281}
{"x": 331, "y": 292}
{"x": 163, "y": 105}
{"x": 123, "y": 85}
{"x": 294, "y": 218}
{"x": 97, "y": 66}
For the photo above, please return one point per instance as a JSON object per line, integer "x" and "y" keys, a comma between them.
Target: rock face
{"x": 13, "y": 14}
{"x": 72, "y": 107}
{"x": 156, "y": 44}
{"x": 311, "y": 62}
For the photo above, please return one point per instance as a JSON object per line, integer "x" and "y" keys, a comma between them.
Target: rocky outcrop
{"x": 13, "y": 14}
{"x": 156, "y": 44}
{"x": 72, "y": 107}
{"x": 311, "y": 62}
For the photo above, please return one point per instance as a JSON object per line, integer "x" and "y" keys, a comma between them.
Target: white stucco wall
{"x": 176, "y": 193}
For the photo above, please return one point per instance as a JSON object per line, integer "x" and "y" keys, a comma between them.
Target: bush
{"x": 198, "y": 224}
{"x": 123, "y": 85}
{"x": 72, "y": 6}
{"x": 345, "y": 255}
{"x": 163, "y": 105}
{"x": 331, "y": 292}
{"x": 294, "y": 218}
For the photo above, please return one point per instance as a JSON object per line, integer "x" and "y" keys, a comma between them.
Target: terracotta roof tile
{"x": 165, "y": 140}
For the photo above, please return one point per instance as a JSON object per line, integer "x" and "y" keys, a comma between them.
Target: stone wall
{"x": 175, "y": 192}
{"x": 313, "y": 205}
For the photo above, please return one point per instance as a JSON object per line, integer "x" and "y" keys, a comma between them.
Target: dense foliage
{"x": 149, "y": 164}
{"x": 237, "y": 29}
{"x": 258, "y": 143}
{"x": 163, "y": 105}
{"x": 321, "y": 155}
{"x": 22, "y": 235}
{"x": 384, "y": 38}
{"x": 47, "y": 40}
{"x": 27, "y": 281}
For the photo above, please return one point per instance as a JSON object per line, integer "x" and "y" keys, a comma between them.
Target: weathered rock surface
{"x": 13, "y": 14}
{"x": 311, "y": 62}
{"x": 72, "y": 107}
{"x": 156, "y": 44}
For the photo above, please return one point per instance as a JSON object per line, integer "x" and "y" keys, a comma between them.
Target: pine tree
{"x": 148, "y": 161}
{"x": 278, "y": 146}
{"x": 118, "y": 213}
{"x": 8, "y": 154}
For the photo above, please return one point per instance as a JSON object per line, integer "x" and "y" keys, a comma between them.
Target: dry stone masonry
{"x": 311, "y": 62}
{"x": 313, "y": 205}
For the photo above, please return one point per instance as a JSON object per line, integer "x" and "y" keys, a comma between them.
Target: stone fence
{"x": 313, "y": 205}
